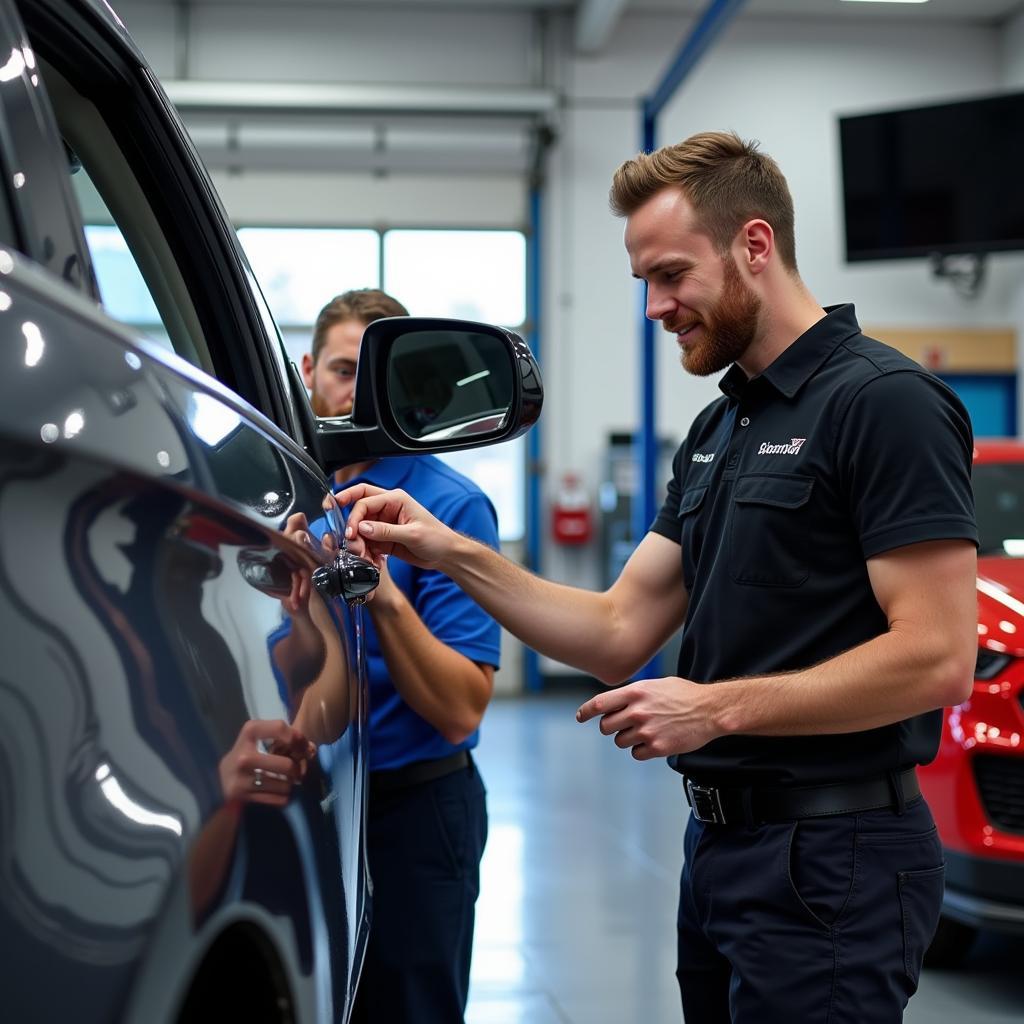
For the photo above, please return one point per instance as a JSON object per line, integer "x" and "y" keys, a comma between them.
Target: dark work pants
{"x": 821, "y": 921}
{"x": 424, "y": 846}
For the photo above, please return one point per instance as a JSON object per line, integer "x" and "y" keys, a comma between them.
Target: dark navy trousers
{"x": 424, "y": 846}
{"x": 821, "y": 921}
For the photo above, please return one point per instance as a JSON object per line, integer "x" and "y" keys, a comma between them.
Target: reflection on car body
{"x": 135, "y": 602}
{"x": 179, "y": 613}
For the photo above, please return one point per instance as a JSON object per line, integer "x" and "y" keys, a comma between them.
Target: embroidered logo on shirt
{"x": 793, "y": 448}
{"x": 701, "y": 457}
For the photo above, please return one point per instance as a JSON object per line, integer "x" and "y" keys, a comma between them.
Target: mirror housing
{"x": 427, "y": 384}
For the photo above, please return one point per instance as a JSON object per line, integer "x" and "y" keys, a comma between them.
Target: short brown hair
{"x": 728, "y": 182}
{"x": 364, "y": 305}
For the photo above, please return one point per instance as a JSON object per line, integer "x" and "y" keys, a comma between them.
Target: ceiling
{"x": 951, "y": 10}
{"x": 242, "y": 132}
{"x": 596, "y": 21}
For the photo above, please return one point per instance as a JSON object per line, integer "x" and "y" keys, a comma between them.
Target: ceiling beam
{"x": 193, "y": 96}
{"x": 595, "y": 22}
{"x": 715, "y": 19}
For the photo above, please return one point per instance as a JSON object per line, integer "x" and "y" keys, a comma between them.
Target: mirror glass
{"x": 449, "y": 385}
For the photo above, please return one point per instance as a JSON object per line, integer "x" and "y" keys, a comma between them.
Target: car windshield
{"x": 999, "y": 502}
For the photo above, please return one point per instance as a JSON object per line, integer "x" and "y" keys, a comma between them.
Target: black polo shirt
{"x": 839, "y": 450}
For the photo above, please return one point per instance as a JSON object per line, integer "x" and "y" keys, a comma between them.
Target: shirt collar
{"x": 799, "y": 362}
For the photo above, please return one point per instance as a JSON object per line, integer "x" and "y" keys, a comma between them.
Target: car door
{"x": 160, "y": 529}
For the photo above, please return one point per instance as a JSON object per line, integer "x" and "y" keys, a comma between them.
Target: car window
{"x": 124, "y": 291}
{"x": 139, "y": 278}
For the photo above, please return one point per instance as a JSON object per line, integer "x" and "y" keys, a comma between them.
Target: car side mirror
{"x": 425, "y": 384}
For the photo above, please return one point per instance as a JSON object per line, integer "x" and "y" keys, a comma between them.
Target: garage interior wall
{"x": 782, "y": 81}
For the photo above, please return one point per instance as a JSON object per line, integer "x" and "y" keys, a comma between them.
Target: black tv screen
{"x": 943, "y": 179}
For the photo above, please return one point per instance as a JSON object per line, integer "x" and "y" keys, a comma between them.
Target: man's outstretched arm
{"x": 608, "y": 635}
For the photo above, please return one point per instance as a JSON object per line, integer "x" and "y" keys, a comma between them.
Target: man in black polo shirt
{"x": 818, "y": 544}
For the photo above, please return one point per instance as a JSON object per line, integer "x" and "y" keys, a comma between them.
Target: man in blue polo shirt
{"x": 431, "y": 656}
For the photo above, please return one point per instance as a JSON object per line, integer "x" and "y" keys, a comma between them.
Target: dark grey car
{"x": 165, "y": 518}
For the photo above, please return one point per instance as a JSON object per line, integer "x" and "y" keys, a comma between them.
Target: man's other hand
{"x": 391, "y": 523}
{"x": 655, "y": 717}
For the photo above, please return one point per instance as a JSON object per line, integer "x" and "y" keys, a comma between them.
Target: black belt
{"x": 752, "y": 806}
{"x": 390, "y": 780}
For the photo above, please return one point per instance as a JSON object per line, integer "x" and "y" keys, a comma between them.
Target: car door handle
{"x": 348, "y": 577}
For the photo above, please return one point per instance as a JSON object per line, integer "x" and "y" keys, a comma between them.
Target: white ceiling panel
{"x": 962, "y": 10}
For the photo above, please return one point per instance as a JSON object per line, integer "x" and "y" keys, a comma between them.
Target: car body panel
{"x": 138, "y": 561}
{"x": 141, "y": 506}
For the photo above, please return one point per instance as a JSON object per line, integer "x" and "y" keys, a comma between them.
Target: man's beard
{"x": 729, "y": 327}
{"x": 321, "y": 408}
{"x": 319, "y": 405}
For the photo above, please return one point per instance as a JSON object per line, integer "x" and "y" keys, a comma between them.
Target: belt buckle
{"x": 705, "y": 803}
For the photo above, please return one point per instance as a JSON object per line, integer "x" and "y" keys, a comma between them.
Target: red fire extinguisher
{"x": 571, "y": 521}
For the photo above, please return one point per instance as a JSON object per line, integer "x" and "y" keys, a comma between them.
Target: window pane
{"x": 301, "y": 269}
{"x": 125, "y": 294}
{"x": 124, "y": 291}
{"x": 473, "y": 275}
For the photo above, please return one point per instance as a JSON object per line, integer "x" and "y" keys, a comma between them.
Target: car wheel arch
{"x": 241, "y": 975}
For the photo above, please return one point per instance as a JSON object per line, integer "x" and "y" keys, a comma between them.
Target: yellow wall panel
{"x": 954, "y": 349}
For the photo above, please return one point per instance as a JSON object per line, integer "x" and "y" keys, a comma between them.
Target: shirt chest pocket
{"x": 769, "y": 532}
{"x": 691, "y": 529}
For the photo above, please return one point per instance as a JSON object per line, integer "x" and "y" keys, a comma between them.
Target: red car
{"x": 975, "y": 785}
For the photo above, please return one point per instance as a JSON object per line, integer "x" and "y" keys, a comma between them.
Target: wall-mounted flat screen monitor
{"x": 940, "y": 179}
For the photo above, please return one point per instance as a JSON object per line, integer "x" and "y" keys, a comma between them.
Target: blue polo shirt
{"x": 398, "y": 735}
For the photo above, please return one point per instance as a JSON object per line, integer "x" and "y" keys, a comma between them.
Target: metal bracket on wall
{"x": 965, "y": 271}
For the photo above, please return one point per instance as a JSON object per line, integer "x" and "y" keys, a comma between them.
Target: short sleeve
{"x": 446, "y": 610}
{"x": 667, "y": 522}
{"x": 904, "y": 453}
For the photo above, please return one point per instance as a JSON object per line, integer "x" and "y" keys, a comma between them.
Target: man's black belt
{"x": 718, "y": 805}
{"x": 391, "y": 780}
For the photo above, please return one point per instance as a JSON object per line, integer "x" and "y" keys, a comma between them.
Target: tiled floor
{"x": 576, "y": 917}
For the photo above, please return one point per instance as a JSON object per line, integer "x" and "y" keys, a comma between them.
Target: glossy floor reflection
{"x": 576, "y": 917}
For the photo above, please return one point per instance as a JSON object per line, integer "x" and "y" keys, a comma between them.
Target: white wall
{"x": 794, "y": 114}
{"x": 362, "y": 200}
{"x": 342, "y": 43}
{"x": 297, "y": 43}
{"x": 783, "y": 82}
